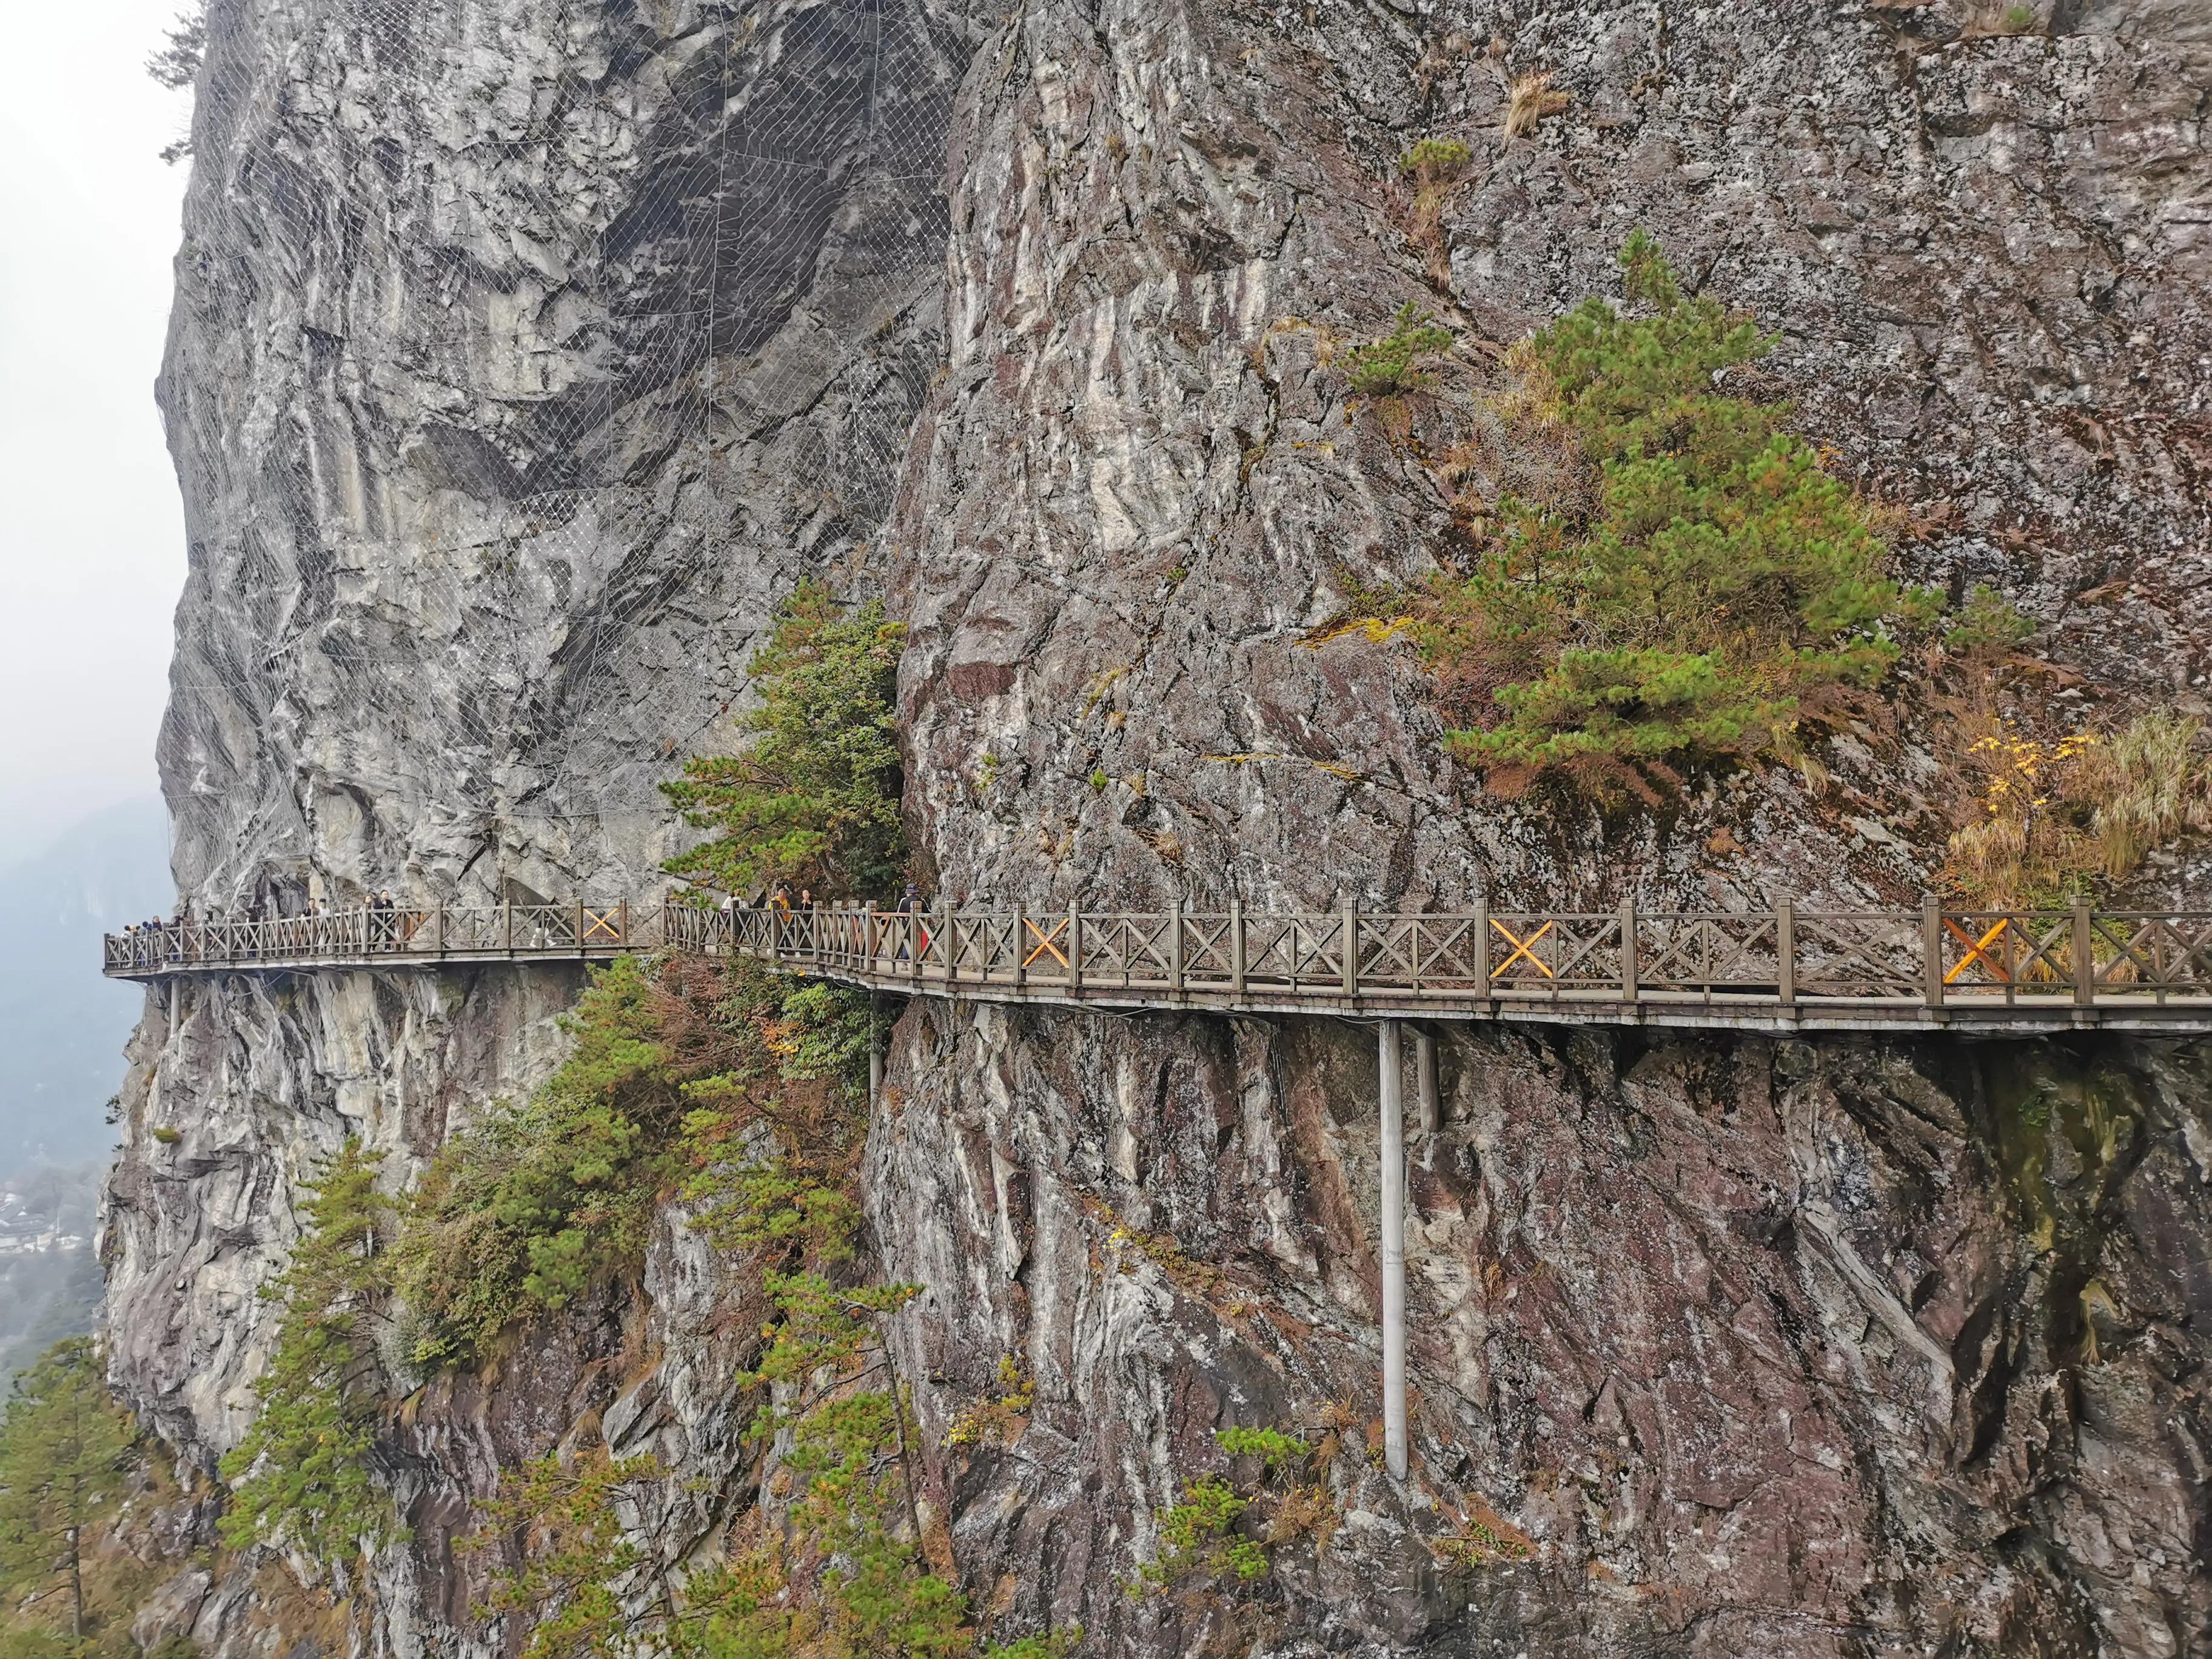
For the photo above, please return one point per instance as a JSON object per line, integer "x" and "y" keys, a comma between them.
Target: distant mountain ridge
{"x": 63, "y": 1026}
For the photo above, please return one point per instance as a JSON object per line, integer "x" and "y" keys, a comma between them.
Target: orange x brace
{"x": 1979, "y": 949}
{"x": 1522, "y": 948}
{"x": 1044, "y": 943}
{"x": 599, "y": 923}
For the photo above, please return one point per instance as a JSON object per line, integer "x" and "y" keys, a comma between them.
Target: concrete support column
{"x": 1393, "y": 1162}
{"x": 875, "y": 1060}
{"x": 1428, "y": 1108}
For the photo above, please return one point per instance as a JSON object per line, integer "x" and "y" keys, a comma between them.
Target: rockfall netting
{"x": 524, "y": 356}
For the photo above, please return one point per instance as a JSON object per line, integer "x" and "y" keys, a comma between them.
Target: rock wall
{"x": 523, "y": 358}
{"x": 1138, "y": 490}
{"x": 1772, "y": 1347}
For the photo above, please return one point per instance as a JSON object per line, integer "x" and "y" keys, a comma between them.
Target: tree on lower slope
{"x": 66, "y": 1446}
{"x": 302, "y": 1478}
{"x": 828, "y": 1563}
{"x": 674, "y": 1064}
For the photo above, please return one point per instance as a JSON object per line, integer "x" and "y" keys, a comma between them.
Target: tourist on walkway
{"x": 911, "y": 934}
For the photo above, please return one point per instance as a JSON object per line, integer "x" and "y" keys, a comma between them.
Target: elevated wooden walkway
{"x": 1782, "y": 970}
{"x": 1999, "y": 973}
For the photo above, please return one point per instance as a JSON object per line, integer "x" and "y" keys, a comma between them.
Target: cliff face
{"x": 522, "y": 361}
{"x": 1773, "y": 1347}
{"x": 1802, "y": 1349}
{"x": 1138, "y": 489}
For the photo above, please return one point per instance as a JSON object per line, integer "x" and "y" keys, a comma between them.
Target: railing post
{"x": 439, "y": 925}
{"x": 916, "y": 933}
{"x": 949, "y": 940}
{"x": 509, "y": 933}
{"x": 2085, "y": 964}
{"x": 1021, "y": 946}
{"x": 1931, "y": 949}
{"x": 1482, "y": 944}
{"x": 1392, "y": 1172}
{"x": 1628, "y": 961}
{"x": 1351, "y": 943}
{"x": 1236, "y": 949}
{"x": 580, "y": 950}
{"x": 621, "y": 923}
{"x": 1075, "y": 944}
{"x": 1174, "y": 943}
{"x": 1785, "y": 952}
{"x": 867, "y": 937}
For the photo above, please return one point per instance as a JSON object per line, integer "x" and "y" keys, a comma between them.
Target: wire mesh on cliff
{"x": 524, "y": 356}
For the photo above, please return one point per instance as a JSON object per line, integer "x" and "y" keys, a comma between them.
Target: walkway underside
{"x": 1781, "y": 971}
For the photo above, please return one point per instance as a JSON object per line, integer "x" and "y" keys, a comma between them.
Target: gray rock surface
{"x": 1770, "y": 1347}
{"x": 523, "y": 360}
{"x": 1139, "y": 488}
{"x": 525, "y": 357}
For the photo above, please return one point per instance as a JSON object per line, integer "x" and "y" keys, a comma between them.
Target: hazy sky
{"x": 91, "y": 539}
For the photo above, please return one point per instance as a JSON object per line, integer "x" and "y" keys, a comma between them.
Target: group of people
{"x": 168, "y": 935}
{"x": 779, "y": 898}
{"x": 378, "y": 903}
{"x": 386, "y": 920}
{"x": 779, "y": 902}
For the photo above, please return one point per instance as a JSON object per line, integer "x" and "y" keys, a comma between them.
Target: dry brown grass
{"x": 1482, "y": 1536}
{"x": 2020, "y": 842}
{"x": 1433, "y": 168}
{"x": 1528, "y": 100}
{"x": 2043, "y": 817}
{"x": 2148, "y": 783}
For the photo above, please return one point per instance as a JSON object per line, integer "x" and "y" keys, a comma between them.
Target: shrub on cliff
{"x": 674, "y": 1063}
{"x": 840, "y": 1568}
{"x": 300, "y": 1478}
{"x": 1217, "y": 1547}
{"x": 176, "y": 65}
{"x": 815, "y": 800}
{"x": 1380, "y": 367}
{"x": 1720, "y": 591}
{"x": 514, "y": 1212}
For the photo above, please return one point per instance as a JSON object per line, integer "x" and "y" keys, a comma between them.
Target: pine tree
{"x": 815, "y": 800}
{"x": 65, "y": 1448}
{"x": 301, "y": 1477}
{"x": 1719, "y": 591}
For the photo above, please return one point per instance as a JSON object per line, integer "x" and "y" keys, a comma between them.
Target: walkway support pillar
{"x": 1393, "y": 1162}
{"x": 875, "y": 1058}
{"x": 1427, "y": 1107}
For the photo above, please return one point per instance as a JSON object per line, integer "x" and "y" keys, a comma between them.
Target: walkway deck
{"x": 1783, "y": 970}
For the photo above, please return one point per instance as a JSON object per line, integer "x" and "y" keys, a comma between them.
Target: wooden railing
{"x": 1783, "y": 965}
{"x": 370, "y": 936}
